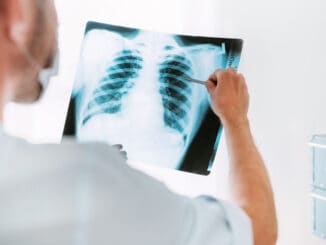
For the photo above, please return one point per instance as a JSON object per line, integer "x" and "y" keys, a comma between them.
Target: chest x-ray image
{"x": 130, "y": 89}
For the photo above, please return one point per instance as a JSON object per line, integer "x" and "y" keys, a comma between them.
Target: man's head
{"x": 28, "y": 43}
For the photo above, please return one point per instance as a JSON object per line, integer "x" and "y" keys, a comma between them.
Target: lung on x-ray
{"x": 130, "y": 89}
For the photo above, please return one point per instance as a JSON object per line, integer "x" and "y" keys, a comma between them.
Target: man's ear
{"x": 21, "y": 21}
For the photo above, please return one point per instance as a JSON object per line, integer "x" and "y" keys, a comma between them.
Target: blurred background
{"x": 283, "y": 61}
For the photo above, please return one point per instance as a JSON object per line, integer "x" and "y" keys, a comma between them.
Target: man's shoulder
{"x": 18, "y": 156}
{"x": 99, "y": 165}
{"x": 94, "y": 180}
{"x": 68, "y": 149}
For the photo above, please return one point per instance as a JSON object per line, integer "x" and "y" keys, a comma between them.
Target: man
{"x": 86, "y": 194}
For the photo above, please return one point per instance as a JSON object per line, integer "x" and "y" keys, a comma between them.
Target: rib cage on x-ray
{"x": 175, "y": 91}
{"x": 132, "y": 91}
{"x": 108, "y": 95}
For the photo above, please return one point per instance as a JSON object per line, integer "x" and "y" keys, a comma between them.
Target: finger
{"x": 213, "y": 76}
{"x": 219, "y": 74}
{"x": 240, "y": 75}
{"x": 226, "y": 75}
{"x": 232, "y": 70}
{"x": 212, "y": 82}
{"x": 243, "y": 80}
{"x": 210, "y": 86}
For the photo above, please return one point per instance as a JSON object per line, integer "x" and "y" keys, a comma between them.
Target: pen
{"x": 195, "y": 80}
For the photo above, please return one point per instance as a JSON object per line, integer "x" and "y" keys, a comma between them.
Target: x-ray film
{"x": 130, "y": 89}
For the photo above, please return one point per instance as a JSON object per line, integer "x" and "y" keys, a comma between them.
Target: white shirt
{"x": 86, "y": 194}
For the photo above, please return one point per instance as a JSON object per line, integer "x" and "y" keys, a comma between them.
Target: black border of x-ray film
{"x": 201, "y": 153}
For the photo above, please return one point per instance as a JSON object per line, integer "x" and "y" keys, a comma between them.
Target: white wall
{"x": 283, "y": 61}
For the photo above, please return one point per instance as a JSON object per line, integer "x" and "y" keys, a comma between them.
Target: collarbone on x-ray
{"x": 132, "y": 91}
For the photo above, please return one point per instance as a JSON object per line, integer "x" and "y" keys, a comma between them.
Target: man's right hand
{"x": 229, "y": 96}
{"x": 250, "y": 186}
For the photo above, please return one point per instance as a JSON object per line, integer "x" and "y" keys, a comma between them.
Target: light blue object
{"x": 318, "y": 144}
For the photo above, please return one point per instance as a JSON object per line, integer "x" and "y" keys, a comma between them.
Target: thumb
{"x": 210, "y": 86}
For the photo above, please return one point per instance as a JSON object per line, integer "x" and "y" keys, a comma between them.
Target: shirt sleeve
{"x": 210, "y": 221}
